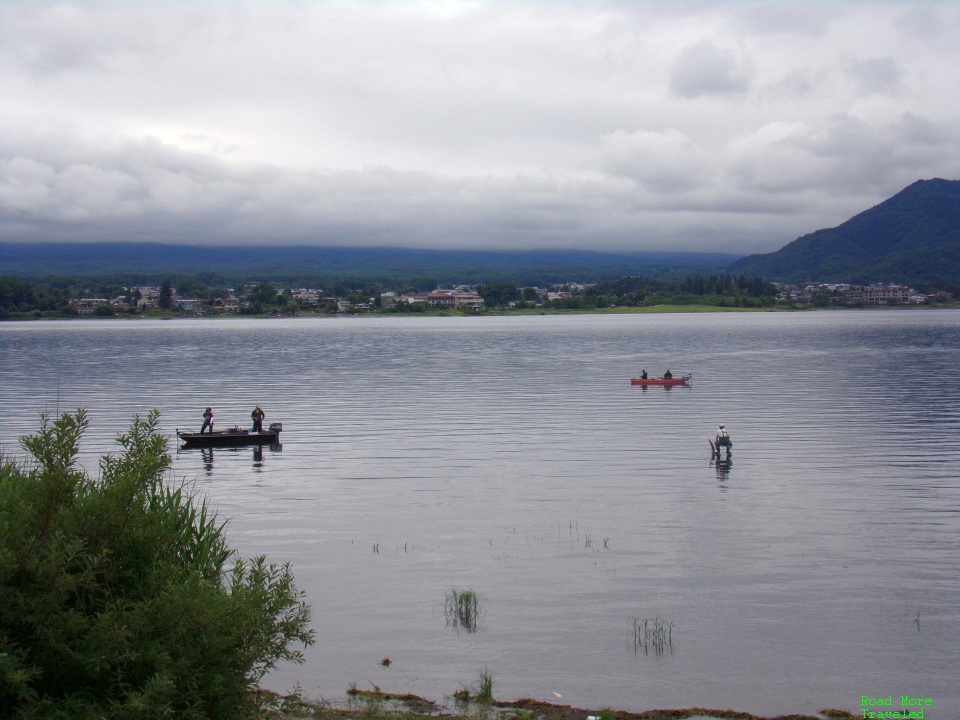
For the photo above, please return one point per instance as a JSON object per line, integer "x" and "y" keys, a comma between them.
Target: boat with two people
{"x": 232, "y": 437}
{"x": 235, "y": 436}
{"x": 668, "y": 378}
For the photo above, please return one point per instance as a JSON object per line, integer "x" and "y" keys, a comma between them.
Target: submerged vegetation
{"x": 462, "y": 609}
{"x": 119, "y": 597}
{"x": 654, "y": 635}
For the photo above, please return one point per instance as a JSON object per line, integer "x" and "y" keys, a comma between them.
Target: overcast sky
{"x": 721, "y": 125}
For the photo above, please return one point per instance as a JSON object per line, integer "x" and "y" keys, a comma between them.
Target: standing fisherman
{"x": 207, "y": 421}
{"x": 257, "y": 415}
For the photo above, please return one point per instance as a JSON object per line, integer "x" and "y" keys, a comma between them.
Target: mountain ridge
{"x": 289, "y": 262}
{"x": 911, "y": 237}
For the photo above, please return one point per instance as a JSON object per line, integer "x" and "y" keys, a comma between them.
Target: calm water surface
{"x": 511, "y": 456}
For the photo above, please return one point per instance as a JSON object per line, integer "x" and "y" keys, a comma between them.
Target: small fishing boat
{"x": 234, "y": 437}
{"x": 676, "y": 380}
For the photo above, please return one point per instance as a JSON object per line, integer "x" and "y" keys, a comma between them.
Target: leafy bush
{"x": 116, "y": 599}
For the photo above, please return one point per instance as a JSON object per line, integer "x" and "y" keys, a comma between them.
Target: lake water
{"x": 511, "y": 456}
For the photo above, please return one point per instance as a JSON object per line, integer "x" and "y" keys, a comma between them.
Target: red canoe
{"x": 680, "y": 380}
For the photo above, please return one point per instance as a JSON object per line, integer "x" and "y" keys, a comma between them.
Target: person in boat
{"x": 667, "y": 375}
{"x": 257, "y": 415}
{"x": 207, "y": 421}
{"x": 643, "y": 375}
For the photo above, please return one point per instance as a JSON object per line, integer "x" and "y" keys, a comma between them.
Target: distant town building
{"x": 880, "y": 295}
{"x": 87, "y": 306}
{"x": 311, "y": 297}
{"x": 412, "y": 297}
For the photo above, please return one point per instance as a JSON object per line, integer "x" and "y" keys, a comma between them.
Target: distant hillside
{"x": 912, "y": 237}
{"x": 148, "y": 261}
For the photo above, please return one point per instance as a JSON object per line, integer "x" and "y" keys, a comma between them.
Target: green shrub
{"x": 116, "y": 597}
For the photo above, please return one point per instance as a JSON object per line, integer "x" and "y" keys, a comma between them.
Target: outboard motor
{"x": 276, "y": 427}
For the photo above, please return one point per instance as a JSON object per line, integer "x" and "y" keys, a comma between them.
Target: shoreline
{"x": 378, "y": 705}
{"x": 649, "y": 310}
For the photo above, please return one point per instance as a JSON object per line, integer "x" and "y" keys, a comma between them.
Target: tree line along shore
{"x": 200, "y": 295}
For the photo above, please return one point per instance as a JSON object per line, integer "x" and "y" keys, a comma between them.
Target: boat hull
{"x": 231, "y": 438}
{"x": 661, "y": 381}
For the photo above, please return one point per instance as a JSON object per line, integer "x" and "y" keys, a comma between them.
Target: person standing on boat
{"x": 258, "y": 415}
{"x": 207, "y": 421}
{"x": 667, "y": 375}
{"x": 723, "y": 437}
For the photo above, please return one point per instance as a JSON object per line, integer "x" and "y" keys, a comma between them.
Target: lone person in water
{"x": 257, "y": 416}
{"x": 667, "y": 375}
{"x": 723, "y": 437}
{"x": 207, "y": 421}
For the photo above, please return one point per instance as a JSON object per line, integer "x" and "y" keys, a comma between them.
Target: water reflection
{"x": 208, "y": 455}
{"x": 723, "y": 466}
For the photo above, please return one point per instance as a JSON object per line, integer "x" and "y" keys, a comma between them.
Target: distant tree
{"x": 165, "y": 300}
{"x": 498, "y": 294}
{"x": 15, "y": 293}
{"x": 821, "y": 298}
{"x": 264, "y": 294}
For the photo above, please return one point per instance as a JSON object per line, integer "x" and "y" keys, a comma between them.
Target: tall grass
{"x": 482, "y": 693}
{"x": 462, "y": 609}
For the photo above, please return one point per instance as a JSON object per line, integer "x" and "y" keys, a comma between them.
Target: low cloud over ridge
{"x": 613, "y": 125}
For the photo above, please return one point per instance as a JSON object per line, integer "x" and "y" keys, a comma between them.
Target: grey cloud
{"x": 810, "y": 18}
{"x": 705, "y": 69}
{"x": 468, "y": 124}
{"x": 67, "y": 38}
{"x": 664, "y": 162}
{"x": 875, "y": 75}
{"x": 843, "y": 154}
{"x": 147, "y": 191}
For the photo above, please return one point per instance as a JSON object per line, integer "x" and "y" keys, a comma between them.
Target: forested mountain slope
{"x": 913, "y": 237}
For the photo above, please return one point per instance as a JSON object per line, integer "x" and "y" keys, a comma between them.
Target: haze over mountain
{"x": 912, "y": 237}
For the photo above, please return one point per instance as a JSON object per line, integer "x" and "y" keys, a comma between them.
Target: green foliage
{"x": 264, "y": 293}
{"x": 484, "y": 686}
{"x": 498, "y": 294}
{"x": 17, "y": 295}
{"x": 15, "y": 292}
{"x": 116, "y": 599}
{"x": 165, "y": 301}
{"x": 714, "y": 290}
{"x": 482, "y": 693}
{"x": 462, "y": 609}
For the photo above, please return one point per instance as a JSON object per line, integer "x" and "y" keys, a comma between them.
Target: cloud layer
{"x": 633, "y": 125}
